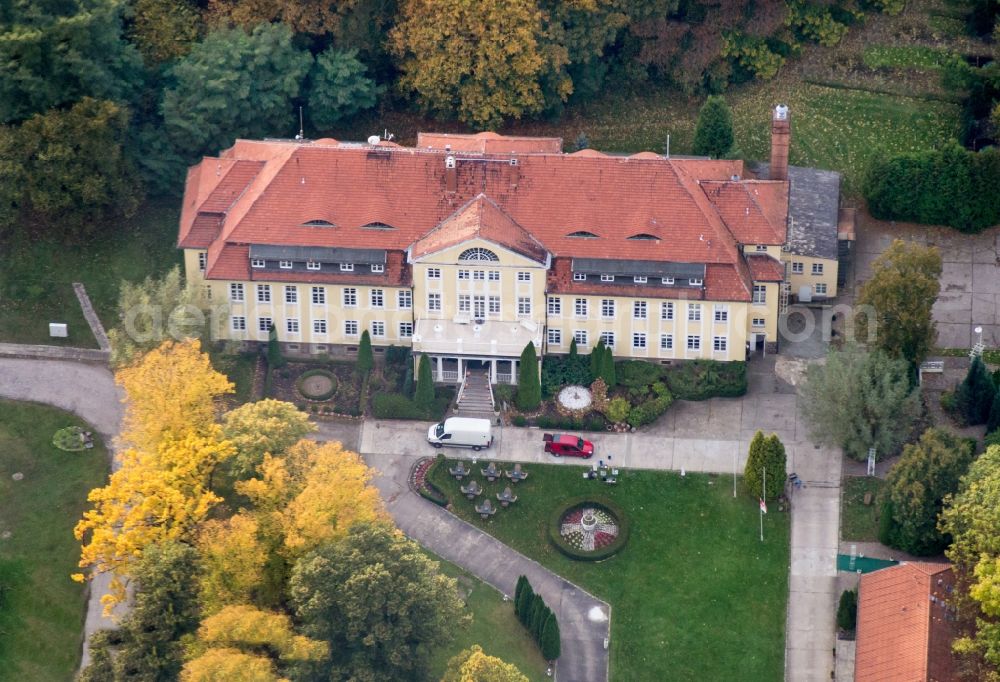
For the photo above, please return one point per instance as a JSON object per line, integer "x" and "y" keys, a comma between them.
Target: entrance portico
{"x": 451, "y": 369}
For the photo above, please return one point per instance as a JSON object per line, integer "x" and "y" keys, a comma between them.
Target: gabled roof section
{"x": 480, "y": 218}
{"x": 904, "y": 628}
{"x": 764, "y": 268}
{"x": 754, "y": 210}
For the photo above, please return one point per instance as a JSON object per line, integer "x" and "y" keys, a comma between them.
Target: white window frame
{"x": 580, "y": 308}
{"x": 285, "y": 264}
{"x": 523, "y": 276}
{"x": 404, "y": 299}
{"x": 693, "y": 342}
{"x": 236, "y": 293}
{"x": 263, "y": 293}
{"x": 579, "y": 276}
{"x": 434, "y": 302}
{"x": 554, "y": 305}
{"x": 608, "y": 308}
{"x": 667, "y": 280}
{"x": 640, "y": 279}
{"x": 758, "y": 322}
{"x": 377, "y": 298}
{"x": 639, "y": 310}
{"x": 478, "y": 275}
{"x": 405, "y": 330}
{"x": 694, "y": 312}
{"x": 696, "y": 281}
{"x": 464, "y": 303}
{"x": 720, "y": 344}
{"x": 721, "y": 313}
{"x": 494, "y": 276}
{"x": 667, "y": 310}
{"x": 318, "y": 296}
{"x": 378, "y": 329}
{"x": 351, "y": 328}
{"x": 264, "y": 323}
{"x": 350, "y": 297}
{"x": 347, "y": 267}
{"x": 433, "y": 273}
{"x": 238, "y": 323}
{"x": 638, "y": 339}
{"x": 580, "y": 336}
{"x": 820, "y": 288}
{"x": 817, "y": 269}
{"x": 258, "y": 263}
{"x": 666, "y": 341}
{"x": 202, "y": 260}
{"x": 493, "y": 305}
{"x": 464, "y": 274}
{"x": 607, "y": 278}
{"x": 319, "y": 327}
{"x": 524, "y": 306}
{"x": 378, "y": 267}
{"x": 313, "y": 265}
{"x": 798, "y": 267}
{"x": 554, "y": 337}
{"x": 760, "y": 248}
{"x": 759, "y": 294}
{"x": 292, "y": 325}
{"x": 608, "y": 338}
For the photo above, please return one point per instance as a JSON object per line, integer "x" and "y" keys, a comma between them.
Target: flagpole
{"x": 734, "y": 473}
{"x": 763, "y": 502}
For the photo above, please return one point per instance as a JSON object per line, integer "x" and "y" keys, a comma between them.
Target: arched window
{"x": 318, "y": 223}
{"x": 644, "y": 235}
{"x": 478, "y": 255}
{"x": 582, "y": 234}
{"x": 377, "y": 226}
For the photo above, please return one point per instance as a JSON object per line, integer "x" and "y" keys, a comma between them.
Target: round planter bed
{"x": 316, "y": 384}
{"x": 589, "y": 528}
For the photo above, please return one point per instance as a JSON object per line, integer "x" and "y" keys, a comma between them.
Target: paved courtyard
{"x": 970, "y": 277}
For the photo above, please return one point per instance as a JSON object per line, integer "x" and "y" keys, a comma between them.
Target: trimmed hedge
{"x": 317, "y": 372}
{"x": 555, "y": 525}
{"x": 592, "y": 423}
{"x": 704, "y": 379}
{"x": 649, "y": 411}
{"x": 428, "y": 490}
{"x": 398, "y": 406}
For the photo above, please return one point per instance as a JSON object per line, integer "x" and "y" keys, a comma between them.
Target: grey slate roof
{"x": 607, "y": 266}
{"x": 813, "y": 205}
{"x": 317, "y": 254}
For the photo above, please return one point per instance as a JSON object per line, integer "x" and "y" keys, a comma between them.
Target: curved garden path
{"x": 89, "y": 392}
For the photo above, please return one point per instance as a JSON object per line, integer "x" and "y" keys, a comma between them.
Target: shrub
{"x": 594, "y": 424}
{"x": 847, "y": 611}
{"x": 519, "y": 420}
{"x": 992, "y": 438}
{"x": 396, "y": 406}
{"x": 767, "y": 454}
{"x": 948, "y": 402}
{"x": 618, "y": 410}
{"x": 650, "y": 410}
{"x": 398, "y": 355}
{"x": 815, "y": 23}
{"x": 555, "y": 525}
{"x": 703, "y": 379}
{"x": 974, "y": 396}
{"x": 504, "y": 393}
{"x": 752, "y": 54}
{"x": 638, "y": 373}
{"x": 569, "y": 370}
{"x": 519, "y": 591}
{"x": 885, "y": 527}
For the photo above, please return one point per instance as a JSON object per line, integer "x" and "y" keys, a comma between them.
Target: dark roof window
{"x": 318, "y": 223}
{"x": 583, "y": 234}
{"x": 645, "y": 235}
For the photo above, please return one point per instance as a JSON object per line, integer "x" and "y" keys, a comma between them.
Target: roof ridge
{"x": 713, "y": 216}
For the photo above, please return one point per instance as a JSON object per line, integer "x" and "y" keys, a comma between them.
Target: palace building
{"x": 467, "y": 247}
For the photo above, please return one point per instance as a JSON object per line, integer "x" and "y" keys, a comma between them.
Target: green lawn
{"x": 35, "y": 282}
{"x": 694, "y": 592}
{"x": 494, "y": 627}
{"x": 857, "y": 520}
{"x": 41, "y": 609}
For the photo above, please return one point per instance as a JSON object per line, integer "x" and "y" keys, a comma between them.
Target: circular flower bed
{"x": 317, "y": 384}
{"x": 588, "y": 529}
{"x": 70, "y": 439}
{"x": 575, "y": 398}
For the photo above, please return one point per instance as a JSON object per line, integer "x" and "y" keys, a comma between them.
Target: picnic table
{"x": 472, "y": 490}
{"x": 506, "y": 497}
{"x": 459, "y": 471}
{"x": 517, "y": 474}
{"x": 486, "y": 509}
{"x": 491, "y": 472}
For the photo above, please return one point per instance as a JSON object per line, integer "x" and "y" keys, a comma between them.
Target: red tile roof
{"x": 482, "y": 218}
{"x": 489, "y": 142}
{"x": 765, "y": 268}
{"x": 268, "y": 190}
{"x": 903, "y": 632}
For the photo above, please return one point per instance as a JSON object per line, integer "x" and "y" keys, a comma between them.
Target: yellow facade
{"x": 818, "y": 274}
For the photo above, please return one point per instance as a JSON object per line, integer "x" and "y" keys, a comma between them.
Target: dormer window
{"x": 761, "y": 248}
{"x": 347, "y": 267}
{"x": 607, "y": 278}
{"x": 695, "y": 282}
{"x": 579, "y": 277}
{"x": 645, "y": 236}
{"x": 257, "y": 262}
{"x": 639, "y": 279}
{"x": 377, "y": 226}
{"x": 378, "y": 267}
{"x": 285, "y": 264}
{"x": 582, "y": 234}
{"x": 669, "y": 281}
{"x": 312, "y": 265}
{"x": 318, "y": 223}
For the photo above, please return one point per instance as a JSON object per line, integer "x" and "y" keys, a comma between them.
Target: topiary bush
{"x": 847, "y": 611}
{"x": 560, "y": 543}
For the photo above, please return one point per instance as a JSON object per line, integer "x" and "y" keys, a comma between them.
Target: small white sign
{"x": 58, "y": 329}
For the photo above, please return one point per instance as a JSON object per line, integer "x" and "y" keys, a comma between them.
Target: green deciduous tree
{"x": 234, "y": 84}
{"x": 151, "y": 311}
{"x": 164, "y": 30}
{"x": 482, "y": 61}
{"x": 902, "y": 290}
{"x": 72, "y": 169}
{"x": 917, "y": 485}
{"x": 767, "y": 453}
{"x": 146, "y": 645}
{"x": 529, "y": 386}
{"x": 338, "y": 88}
{"x": 378, "y": 601}
{"x": 423, "y": 396}
{"x": 972, "y": 518}
{"x": 472, "y": 665}
{"x": 263, "y": 427}
{"x": 713, "y": 134}
{"x": 974, "y": 396}
{"x": 366, "y": 359}
{"x": 55, "y": 52}
{"x": 859, "y": 399}
{"x": 550, "y": 639}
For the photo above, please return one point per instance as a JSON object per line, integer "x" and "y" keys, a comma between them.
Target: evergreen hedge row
{"x": 951, "y": 186}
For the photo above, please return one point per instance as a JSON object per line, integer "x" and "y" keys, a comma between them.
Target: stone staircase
{"x": 476, "y": 397}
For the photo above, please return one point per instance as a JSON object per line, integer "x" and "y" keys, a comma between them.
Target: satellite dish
{"x": 374, "y": 139}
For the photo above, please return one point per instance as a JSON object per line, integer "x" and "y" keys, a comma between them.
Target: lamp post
{"x": 977, "y": 350}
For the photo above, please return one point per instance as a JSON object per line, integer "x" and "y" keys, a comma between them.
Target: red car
{"x": 560, "y": 444}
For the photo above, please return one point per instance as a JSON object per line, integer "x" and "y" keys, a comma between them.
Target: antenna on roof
{"x": 302, "y": 132}
{"x": 666, "y": 148}
{"x": 386, "y": 135}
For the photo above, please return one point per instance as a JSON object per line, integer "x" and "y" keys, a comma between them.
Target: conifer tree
{"x": 597, "y": 358}
{"x": 529, "y": 386}
{"x": 766, "y": 453}
{"x": 424, "y": 394}
{"x": 366, "y": 359}
{"x": 974, "y": 397}
{"x": 550, "y": 640}
{"x": 713, "y": 135}
{"x": 573, "y": 350}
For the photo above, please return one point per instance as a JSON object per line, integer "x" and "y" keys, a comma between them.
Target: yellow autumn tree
{"x": 313, "y": 494}
{"x": 247, "y": 635}
{"x": 172, "y": 391}
{"x": 232, "y": 561}
{"x": 483, "y": 61}
{"x": 472, "y": 665}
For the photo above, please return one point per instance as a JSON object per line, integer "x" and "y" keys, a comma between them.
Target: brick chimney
{"x": 781, "y": 137}
{"x": 450, "y": 174}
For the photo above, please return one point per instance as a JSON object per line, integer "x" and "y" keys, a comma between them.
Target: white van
{"x": 461, "y": 432}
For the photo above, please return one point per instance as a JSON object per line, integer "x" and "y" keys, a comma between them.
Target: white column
{"x": 513, "y": 372}
{"x": 460, "y": 377}
{"x": 493, "y": 371}
{"x": 440, "y": 369}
